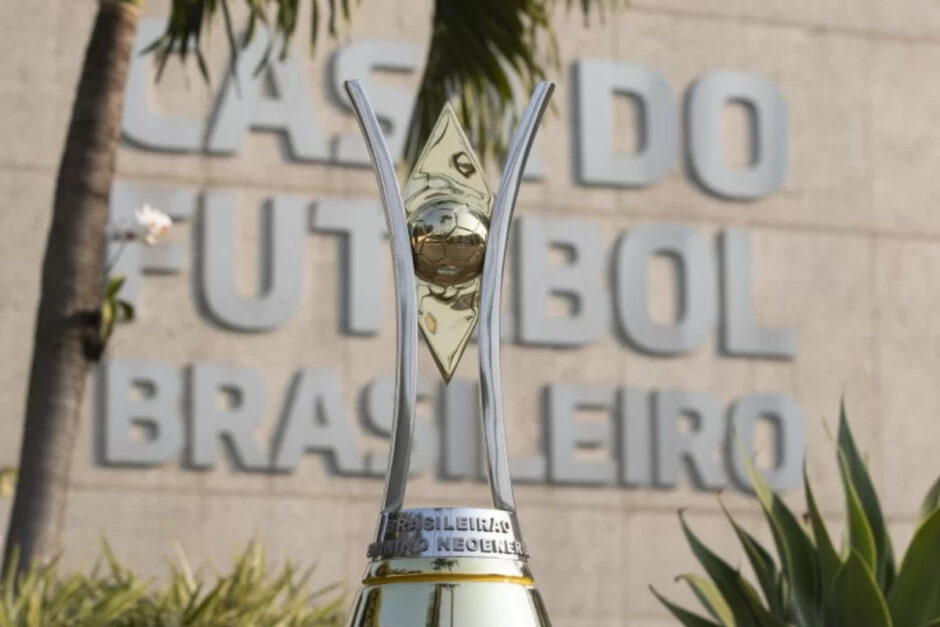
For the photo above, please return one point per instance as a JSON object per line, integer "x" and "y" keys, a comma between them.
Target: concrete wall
{"x": 844, "y": 253}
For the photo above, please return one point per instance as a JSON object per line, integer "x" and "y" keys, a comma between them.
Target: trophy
{"x": 448, "y": 566}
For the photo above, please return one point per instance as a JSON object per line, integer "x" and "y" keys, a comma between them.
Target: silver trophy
{"x": 459, "y": 567}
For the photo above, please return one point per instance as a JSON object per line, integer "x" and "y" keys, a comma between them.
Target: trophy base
{"x": 441, "y": 592}
{"x": 448, "y": 567}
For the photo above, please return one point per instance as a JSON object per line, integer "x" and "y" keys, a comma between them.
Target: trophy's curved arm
{"x": 406, "y": 308}
{"x": 497, "y": 239}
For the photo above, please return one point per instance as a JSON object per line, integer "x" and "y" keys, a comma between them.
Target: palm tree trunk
{"x": 66, "y": 342}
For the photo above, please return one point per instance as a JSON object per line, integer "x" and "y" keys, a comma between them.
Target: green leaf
{"x": 915, "y": 597}
{"x": 188, "y": 18}
{"x": 107, "y": 319}
{"x": 112, "y": 595}
{"x": 126, "y": 310}
{"x": 855, "y": 599}
{"x": 332, "y": 17}
{"x": 768, "y": 576}
{"x": 684, "y": 616}
{"x": 796, "y": 551}
{"x": 861, "y": 539}
{"x": 761, "y": 489}
{"x": 711, "y": 598}
{"x": 869, "y": 501}
{"x": 829, "y": 561}
{"x": 931, "y": 502}
{"x": 115, "y": 282}
{"x": 739, "y": 595}
{"x": 314, "y": 25}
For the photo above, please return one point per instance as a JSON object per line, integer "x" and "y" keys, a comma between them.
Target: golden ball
{"x": 448, "y": 239}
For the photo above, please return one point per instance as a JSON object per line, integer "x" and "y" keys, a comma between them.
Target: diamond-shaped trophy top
{"x": 448, "y": 204}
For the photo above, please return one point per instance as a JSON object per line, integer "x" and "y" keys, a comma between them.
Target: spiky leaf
{"x": 829, "y": 561}
{"x": 768, "y": 575}
{"x": 930, "y": 503}
{"x": 687, "y": 618}
{"x": 855, "y": 599}
{"x": 741, "y": 598}
{"x": 861, "y": 539}
{"x": 711, "y": 598}
{"x": 868, "y": 499}
{"x": 915, "y": 597}
{"x": 796, "y": 551}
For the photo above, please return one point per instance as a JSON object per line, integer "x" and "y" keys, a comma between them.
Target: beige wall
{"x": 845, "y": 253}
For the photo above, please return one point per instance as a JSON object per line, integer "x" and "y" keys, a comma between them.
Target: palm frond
{"x": 487, "y": 55}
{"x": 189, "y": 18}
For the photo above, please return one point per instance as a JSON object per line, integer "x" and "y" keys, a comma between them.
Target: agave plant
{"x": 811, "y": 583}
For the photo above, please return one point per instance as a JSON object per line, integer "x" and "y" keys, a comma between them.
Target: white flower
{"x": 155, "y": 222}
